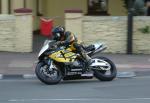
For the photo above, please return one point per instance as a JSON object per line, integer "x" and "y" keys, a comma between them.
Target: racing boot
{"x": 87, "y": 59}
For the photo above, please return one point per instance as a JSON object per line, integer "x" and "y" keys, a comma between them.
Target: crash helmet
{"x": 58, "y": 32}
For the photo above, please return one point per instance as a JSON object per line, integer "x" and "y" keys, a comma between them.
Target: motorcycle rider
{"x": 66, "y": 38}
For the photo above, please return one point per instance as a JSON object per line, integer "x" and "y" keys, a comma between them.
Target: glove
{"x": 58, "y": 43}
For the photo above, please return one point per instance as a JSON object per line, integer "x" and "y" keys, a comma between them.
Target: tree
{"x": 125, "y": 3}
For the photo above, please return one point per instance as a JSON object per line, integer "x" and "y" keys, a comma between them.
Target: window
{"x": 97, "y": 7}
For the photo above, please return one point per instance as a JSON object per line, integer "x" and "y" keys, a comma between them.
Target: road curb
{"x": 123, "y": 74}
{"x": 17, "y": 76}
{"x": 29, "y": 76}
{"x": 33, "y": 76}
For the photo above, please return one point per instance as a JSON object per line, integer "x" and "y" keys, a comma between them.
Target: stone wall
{"x": 24, "y": 37}
{"x": 7, "y": 32}
{"x": 141, "y": 40}
{"x": 112, "y": 30}
{"x": 73, "y": 21}
{"x": 16, "y": 33}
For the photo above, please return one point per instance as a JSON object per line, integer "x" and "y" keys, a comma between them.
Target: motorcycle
{"x": 58, "y": 63}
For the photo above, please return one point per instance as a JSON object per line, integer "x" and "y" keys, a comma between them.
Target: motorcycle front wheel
{"x": 105, "y": 75}
{"x": 46, "y": 76}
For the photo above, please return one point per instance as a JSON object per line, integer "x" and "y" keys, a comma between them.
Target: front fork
{"x": 51, "y": 66}
{"x": 48, "y": 62}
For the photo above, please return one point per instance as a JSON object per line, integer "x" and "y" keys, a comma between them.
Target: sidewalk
{"x": 24, "y": 63}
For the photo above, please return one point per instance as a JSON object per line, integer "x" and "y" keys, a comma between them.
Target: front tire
{"x": 45, "y": 77}
{"x": 101, "y": 74}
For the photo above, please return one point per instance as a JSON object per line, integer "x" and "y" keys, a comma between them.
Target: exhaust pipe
{"x": 97, "y": 51}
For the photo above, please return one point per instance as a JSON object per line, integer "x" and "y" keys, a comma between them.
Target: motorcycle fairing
{"x": 44, "y": 48}
{"x": 63, "y": 56}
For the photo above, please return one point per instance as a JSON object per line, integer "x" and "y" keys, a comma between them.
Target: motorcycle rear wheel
{"x": 101, "y": 74}
{"x": 46, "y": 78}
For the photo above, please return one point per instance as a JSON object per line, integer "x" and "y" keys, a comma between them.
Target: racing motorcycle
{"x": 58, "y": 63}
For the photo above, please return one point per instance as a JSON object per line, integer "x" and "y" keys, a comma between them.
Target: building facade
{"x": 55, "y": 8}
{"x": 98, "y": 20}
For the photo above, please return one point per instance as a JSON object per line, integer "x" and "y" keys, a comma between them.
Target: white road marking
{"x": 82, "y": 99}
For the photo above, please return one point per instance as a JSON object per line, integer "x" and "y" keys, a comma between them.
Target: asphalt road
{"x": 129, "y": 90}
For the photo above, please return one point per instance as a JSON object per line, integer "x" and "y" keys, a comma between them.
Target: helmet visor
{"x": 57, "y": 36}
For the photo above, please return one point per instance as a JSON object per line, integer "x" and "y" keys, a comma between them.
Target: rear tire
{"x": 44, "y": 78}
{"x": 100, "y": 74}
